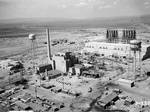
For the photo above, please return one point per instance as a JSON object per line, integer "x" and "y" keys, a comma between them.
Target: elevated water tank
{"x": 32, "y": 36}
{"x": 135, "y": 45}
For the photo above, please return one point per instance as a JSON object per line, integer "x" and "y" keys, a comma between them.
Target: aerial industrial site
{"x": 107, "y": 70}
{"x": 74, "y": 56}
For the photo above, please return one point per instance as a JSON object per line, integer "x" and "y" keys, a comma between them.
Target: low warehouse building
{"x": 106, "y": 101}
{"x": 10, "y": 64}
{"x": 25, "y": 98}
{"x": 53, "y": 74}
{"x": 44, "y": 67}
{"x": 90, "y": 74}
{"x": 125, "y": 82}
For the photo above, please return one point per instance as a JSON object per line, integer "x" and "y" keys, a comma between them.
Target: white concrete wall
{"x": 60, "y": 63}
{"x": 112, "y": 48}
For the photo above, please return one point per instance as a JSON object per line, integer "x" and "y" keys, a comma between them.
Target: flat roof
{"x": 8, "y": 61}
{"x": 22, "y": 105}
{"x": 54, "y": 72}
{"x": 125, "y": 80}
{"x": 113, "y": 44}
{"x": 109, "y": 98}
{"x": 42, "y": 65}
{"x": 104, "y": 44}
{"x": 87, "y": 65}
{"x": 78, "y": 65}
{"x": 25, "y": 97}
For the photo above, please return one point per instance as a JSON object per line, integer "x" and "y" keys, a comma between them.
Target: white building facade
{"x": 109, "y": 49}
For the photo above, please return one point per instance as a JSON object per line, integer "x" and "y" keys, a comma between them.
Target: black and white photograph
{"x": 74, "y": 55}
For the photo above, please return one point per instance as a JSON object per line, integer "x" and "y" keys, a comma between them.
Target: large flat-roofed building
{"x": 109, "y": 49}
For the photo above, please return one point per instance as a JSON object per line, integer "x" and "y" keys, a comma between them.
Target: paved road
{"x": 135, "y": 90}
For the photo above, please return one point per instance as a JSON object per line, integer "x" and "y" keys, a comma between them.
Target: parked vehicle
{"x": 47, "y": 86}
{"x": 56, "y": 90}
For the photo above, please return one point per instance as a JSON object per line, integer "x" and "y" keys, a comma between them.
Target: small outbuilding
{"x": 25, "y": 98}
{"x": 126, "y": 82}
{"x": 54, "y": 74}
{"x": 44, "y": 67}
{"x": 107, "y": 100}
{"x": 23, "y": 105}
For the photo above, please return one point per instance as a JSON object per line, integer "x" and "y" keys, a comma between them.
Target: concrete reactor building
{"x": 62, "y": 61}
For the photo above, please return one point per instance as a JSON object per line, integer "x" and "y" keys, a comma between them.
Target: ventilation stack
{"x": 49, "y": 45}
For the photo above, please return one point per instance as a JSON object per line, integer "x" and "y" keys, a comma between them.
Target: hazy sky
{"x": 72, "y": 8}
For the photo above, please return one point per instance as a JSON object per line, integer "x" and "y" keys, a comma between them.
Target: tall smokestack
{"x": 48, "y": 44}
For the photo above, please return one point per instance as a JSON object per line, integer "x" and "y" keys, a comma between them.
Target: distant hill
{"x": 145, "y": 19}
{"x": 64, "y": 22}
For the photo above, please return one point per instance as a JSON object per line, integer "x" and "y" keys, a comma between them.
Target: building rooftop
{"x": 25, "y": 97}
{"x": 60, "y": 54}
{"x": 22, "y": 105}
{"x": 41, "y": 65}
{"x": 109, "y": 98}
{"x": 105, "y": 44}
{"x": 9, "y": 61}
{"x": 124, "y": 80}
{"x": 54, "y": 72}
{"x": 87, "y": 65}
{"x": 78, "y": 65}
{"x": 113, "y": 44}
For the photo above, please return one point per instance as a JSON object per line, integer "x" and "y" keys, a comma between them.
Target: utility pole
{"x": 139, "y": 46}
{"x": 9, "y": 77}
{"x": 40, "y": 80}
{"x": 63, "y": 81}
{"x": 36, "y": 90}
{"x": 134, "y": 61}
